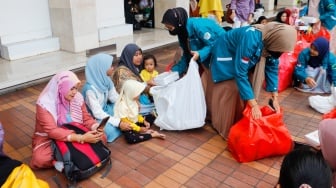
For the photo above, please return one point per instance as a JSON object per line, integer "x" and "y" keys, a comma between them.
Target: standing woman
{"x": 58, "y": 104}
{"x": 327, "y": 11}
{"x": 236, "y": 54}
{"x": 100, "y": 94}
{"x": 196, "y": 36}
{"x": 242, "y": 11}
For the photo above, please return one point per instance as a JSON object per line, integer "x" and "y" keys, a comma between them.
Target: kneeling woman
{"x": 316, "y": 68}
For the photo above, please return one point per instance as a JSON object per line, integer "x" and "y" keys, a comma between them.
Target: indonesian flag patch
{"x": 245, "y": 60}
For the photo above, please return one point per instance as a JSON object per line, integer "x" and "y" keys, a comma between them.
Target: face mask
{"x": 173, "y": 32}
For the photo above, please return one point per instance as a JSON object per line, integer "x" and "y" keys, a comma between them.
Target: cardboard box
{"x": 166, "y": 78}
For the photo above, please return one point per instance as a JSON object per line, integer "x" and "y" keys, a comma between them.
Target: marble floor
{"x": 29, "y": 71}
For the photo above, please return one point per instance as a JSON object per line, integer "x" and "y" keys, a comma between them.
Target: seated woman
{"x": 316, "y": 68}
{"x": 100, "y": 94}
{"x": 283, "y": 16}
{"x": 129, "y": 68}
{"x": 58, "y": 104}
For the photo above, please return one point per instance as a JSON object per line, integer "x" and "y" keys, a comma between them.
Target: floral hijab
{"x": 126, "y": 105}
{"x": 53, "y": 99}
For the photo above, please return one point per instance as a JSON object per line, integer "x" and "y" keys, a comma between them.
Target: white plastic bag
{"x": 323, "y": 104}
{"x": 181, "y": 104}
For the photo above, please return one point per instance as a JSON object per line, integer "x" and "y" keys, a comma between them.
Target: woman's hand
{"x": 151, "y": 82}
{"x": 124, "y": 126}
{"x": 250, "y": 18}
{"x": 255, "y": 110}
{"x": 92, "y": 137}
{"x": 195, "y": 55}
{"x": 143, "y": 129}
{"x": 233, "y": 14}
{"x": 256, "y": 113}
{"x": 310, "y": 82}
{"x": 276, "y": 104}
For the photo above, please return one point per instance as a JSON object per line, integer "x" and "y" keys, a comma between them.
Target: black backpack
{"x": 81, "y": 160}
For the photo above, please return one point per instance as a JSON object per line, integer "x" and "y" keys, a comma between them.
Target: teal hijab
{"x": 95, "y": 72}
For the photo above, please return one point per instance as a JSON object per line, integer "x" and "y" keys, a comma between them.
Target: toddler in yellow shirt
{"x": 149, "y": 64}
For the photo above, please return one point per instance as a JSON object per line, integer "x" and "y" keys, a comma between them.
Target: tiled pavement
{"x": 191, "y": 158}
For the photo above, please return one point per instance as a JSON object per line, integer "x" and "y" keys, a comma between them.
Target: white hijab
{"x": 126, "y": 106}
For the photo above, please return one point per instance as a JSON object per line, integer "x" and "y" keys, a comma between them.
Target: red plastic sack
{"x": 310, "y": 36}
{"x": 287, "y": 63}
{"x": 299, "y": 46}
{"x": 251, "y": 139}
{"x": 330, "y": 115}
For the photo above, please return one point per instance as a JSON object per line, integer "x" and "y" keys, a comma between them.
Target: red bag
{"x": 310, "y": 36}
{"x": 299, "y": 46}
{"x": 330, "y": 115}
{"x": 251, "y": 139}
{"x": 287, "y": 63}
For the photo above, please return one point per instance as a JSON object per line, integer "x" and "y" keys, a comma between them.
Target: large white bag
{"x": 181, "y": 104}
{"x": 323, "y": 104}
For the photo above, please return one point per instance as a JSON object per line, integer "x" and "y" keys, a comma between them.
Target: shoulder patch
{"x": 207, "y": 36}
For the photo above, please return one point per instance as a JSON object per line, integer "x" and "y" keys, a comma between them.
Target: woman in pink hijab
{"x": 58, "y": 104}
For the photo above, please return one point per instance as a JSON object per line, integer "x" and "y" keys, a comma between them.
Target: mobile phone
{"x": 270, "y": 103}
{"x": 103, "y": 123}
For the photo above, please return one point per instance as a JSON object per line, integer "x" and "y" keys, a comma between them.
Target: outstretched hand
{"x": 195, "y": 55}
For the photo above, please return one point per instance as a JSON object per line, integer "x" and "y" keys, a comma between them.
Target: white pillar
{"x": 25, "y": 30}
{"x": 75, "y": 23}
{"x": 286, "y": 3}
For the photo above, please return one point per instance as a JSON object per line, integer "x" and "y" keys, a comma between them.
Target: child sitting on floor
{"x": 127, "y": 109}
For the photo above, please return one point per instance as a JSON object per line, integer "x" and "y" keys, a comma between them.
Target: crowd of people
{"x": 234, "y": 65}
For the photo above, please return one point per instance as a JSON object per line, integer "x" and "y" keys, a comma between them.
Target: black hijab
{"x": 178, "y": 18}
{"x": 126, "y": 58}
